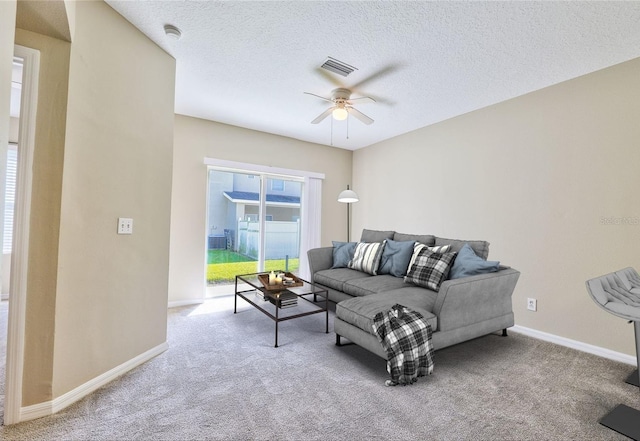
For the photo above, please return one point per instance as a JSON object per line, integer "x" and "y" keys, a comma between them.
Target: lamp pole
{"x": 348, "y": 220}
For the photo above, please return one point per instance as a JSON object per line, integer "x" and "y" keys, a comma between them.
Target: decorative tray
{"x": 264, "y": 279}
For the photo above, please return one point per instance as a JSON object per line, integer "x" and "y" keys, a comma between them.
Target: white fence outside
{"x": 282, "y": 239}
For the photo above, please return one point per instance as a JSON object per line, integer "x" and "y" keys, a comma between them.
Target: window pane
{"x": 233, "y": 227}
{"x": 282, "y": 226}
{"x": 276, "y": 184}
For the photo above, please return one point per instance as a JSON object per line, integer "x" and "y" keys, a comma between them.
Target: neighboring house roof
{"x": 252, "y": 197}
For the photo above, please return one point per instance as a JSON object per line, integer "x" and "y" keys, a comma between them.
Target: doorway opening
{"x": 9, "y": 162}
{"x": 10, "y": 166}
{"x": 27, "y": 95}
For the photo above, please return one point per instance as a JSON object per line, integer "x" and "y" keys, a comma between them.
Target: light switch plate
{"x": 125, "y": 225}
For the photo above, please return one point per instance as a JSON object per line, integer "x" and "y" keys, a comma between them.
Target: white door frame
{"x": 20, "y": 251}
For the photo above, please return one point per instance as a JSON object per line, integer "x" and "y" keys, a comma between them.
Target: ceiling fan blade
{"x": 323, "y": 73}
{"x": 358, "y": 114}
{"x": 318, "y": 96}
{"x": 383, "y": 100}
{"x": 323, "y": 115}
{"x": 382, "y": 72}
{"x": 363, "y": 99}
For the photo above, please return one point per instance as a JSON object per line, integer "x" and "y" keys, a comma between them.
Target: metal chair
{"x": 618, "y": 293}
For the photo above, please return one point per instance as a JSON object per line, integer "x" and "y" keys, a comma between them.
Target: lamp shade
{"x": 348, "y": 196}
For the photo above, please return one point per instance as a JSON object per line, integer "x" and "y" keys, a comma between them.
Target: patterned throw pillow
{"x": 366, "y": 257}
{"x": 417, "y": 247}
{"x": 430, "y": 269}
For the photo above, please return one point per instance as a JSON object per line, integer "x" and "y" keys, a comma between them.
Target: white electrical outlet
{"x": 532, "y": 304}
{"x": 125, "y": 225}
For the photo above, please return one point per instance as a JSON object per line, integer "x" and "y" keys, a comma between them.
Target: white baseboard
{"x": 35, "y": 411}
{"x": 185, "y": 303}
{"x": 50, "y": 407}
{"x": 574, "y": 344}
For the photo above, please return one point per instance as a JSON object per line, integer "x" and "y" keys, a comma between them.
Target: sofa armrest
{"x": 469, "y": 300}
{"x": 319, "y": 259}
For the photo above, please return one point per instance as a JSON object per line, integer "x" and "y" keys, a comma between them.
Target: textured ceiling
{"x": 47, "y": 17}
{"x": 248, "y": 63}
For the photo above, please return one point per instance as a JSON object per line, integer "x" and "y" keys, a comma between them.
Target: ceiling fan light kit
{"x": 342, "y": 106}
{"x": 340, "y": 113}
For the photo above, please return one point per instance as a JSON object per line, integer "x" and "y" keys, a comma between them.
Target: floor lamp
{"x": 348, "y": 197}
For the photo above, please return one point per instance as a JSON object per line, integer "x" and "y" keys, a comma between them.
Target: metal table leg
{"x": 326, "y": 312}
{"x": 277, "y": 310}
{"x": 235, "y": 298}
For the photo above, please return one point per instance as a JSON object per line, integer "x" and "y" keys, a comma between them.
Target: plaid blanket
{"x": 406, "y": 337}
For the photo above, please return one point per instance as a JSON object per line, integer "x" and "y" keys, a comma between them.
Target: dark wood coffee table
{"x": 283, "y": 304}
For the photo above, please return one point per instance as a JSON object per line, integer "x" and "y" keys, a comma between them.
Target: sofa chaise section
{"x": 463, "y": 309}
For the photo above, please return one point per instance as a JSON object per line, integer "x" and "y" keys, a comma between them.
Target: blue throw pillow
{"x": 467, "y": 264}
{"x": 343, "y": 253}
{"x": 395, "y": 258}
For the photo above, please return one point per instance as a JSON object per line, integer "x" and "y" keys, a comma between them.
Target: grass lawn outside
{"x": 226, "y": 256}
{"x": 224, "y": 265}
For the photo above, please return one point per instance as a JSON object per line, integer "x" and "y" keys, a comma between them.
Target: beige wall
{"x": 196, "y": 139}
{"x": 103, "y": 150}
{"x": 112, "y": 289}
{"x": 534, "y": 176}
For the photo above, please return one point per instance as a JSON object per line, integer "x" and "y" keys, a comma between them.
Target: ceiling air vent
{"x": 337, "y": 66}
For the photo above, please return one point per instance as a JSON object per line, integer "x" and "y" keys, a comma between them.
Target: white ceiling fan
{"x": 342, "y": 106}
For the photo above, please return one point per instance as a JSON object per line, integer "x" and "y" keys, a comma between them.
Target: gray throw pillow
{"x": 480, "y": 247}
{"x": 469, "y": 264}
{"x": 426, "y": 239}
{"x": 342, "y": 253}
{"x": 375, "y": 235}
{"x": 396, "y": 257}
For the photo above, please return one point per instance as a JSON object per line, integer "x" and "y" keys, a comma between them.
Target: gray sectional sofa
{"x": 462, "y": 309}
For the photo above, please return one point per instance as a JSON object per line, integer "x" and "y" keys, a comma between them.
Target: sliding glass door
{"x": 282, "y": 224}
{"x": 254, "y": 224}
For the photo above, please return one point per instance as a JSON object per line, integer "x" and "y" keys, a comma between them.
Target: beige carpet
{"x": 222, "y": 379}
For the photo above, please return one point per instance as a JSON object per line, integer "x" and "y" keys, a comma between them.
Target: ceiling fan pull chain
{"x": 332, "y": 132}
{"x": 348, "y": 126}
